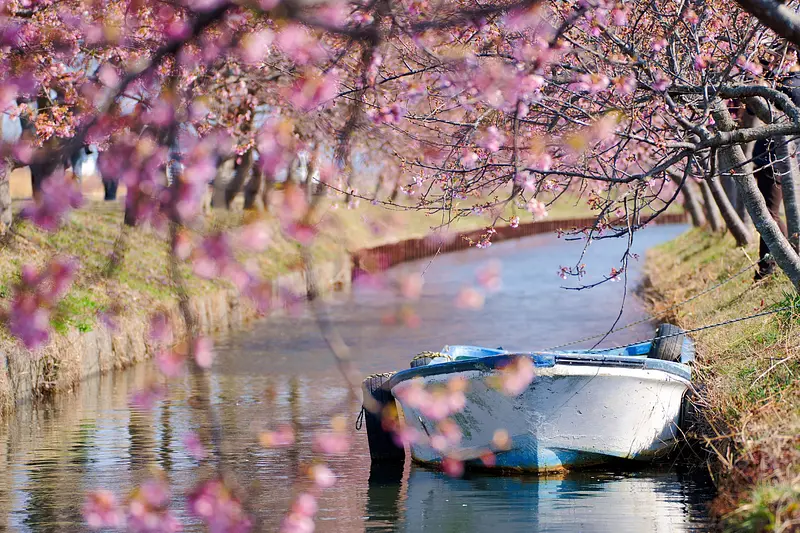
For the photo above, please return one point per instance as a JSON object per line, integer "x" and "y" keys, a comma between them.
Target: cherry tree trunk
{"x": 225, "y": 173}
{"x": 778, "y": 245}
{"x": 728, "y": 212}
{"x": 242, "y": 170}
{"x": 252, "y": 188}
{"x": 266, "y": 191}
{"x": 692, "y": 204}
{"x": 787, "y": 172}
{"x": 312, "y": 173}
{"x": 6, "y": 215}
{"x": 712, "y": 213}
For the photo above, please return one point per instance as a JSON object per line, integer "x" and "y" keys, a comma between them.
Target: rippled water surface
{"x": 280, "y": 371}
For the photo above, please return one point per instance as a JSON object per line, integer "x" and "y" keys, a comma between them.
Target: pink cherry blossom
{"x": 488, "y": 276}
{"x": 516, "y": 376}
{"x": 661, "y": 83}
{"x": 453, "y": 467}
{"x": 35, "y": 296}
{"x": 255, "y": 46}
{"x": 539, "y": 209}
{"x": 219, "y": 508}
{"x": 701, "y": 61}
{"x": 625, "y": 85}
{"x": 469, "y": 298}
{"x": 59, "y": 196}
{"x": 299, "y": 45}
{"x": 101, "y": 510}
{"x": 313, "y": 90}
{"x": 591, "y": 83}
{"x": 491, "y": 139}
{"x": 322, "y": 476}
{"x": 171, "y": 363}
{"x": 193, "y": 445}
{"x": 203, "y": 350}
{"x": 331, "y": 443}
{"x": 147, "y": 509}
{"x": 160, "y": 328}
{"x": 411, "y": 286}
{"x": 619, "y": 15}
{"x": 281, "y": 437}
{"x": 146, "y": 397}
{"x": 658, "y": 44}
{"x": 305, "y": 504}
{"x": 749, "y": 66}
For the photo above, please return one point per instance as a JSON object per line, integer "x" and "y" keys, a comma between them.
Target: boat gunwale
{"x": 543, "y": 359}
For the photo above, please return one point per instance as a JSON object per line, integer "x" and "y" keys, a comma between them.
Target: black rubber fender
{"x": 378, "y": 418}
{"x": 670, "y": 348}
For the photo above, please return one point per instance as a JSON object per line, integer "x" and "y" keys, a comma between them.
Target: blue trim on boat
{"x": 467, "y": 358}
{"x": 528, "y": 456}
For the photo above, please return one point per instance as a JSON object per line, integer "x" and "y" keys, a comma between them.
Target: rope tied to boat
{"x": 423, "y": 355}
{"x": 662, "y": 312}
{"x": 707, "y": 326}
{"x": 380, "y": 375}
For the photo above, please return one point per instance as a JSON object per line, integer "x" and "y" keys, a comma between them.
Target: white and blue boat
{"x": 580, "y": 409}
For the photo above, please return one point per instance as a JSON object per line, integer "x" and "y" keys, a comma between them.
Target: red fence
{"x": 387, "y": 255}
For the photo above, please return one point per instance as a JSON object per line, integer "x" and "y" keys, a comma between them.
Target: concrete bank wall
{"x": 391, "y": 254}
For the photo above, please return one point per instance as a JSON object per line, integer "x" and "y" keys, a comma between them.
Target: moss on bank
{"x": 750, "y": 371}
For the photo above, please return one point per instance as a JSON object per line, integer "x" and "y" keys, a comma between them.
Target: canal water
{"x": 280, "y": 371}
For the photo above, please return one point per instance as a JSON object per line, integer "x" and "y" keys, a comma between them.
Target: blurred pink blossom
{"x": 322, "y": 476}
{"x": 35, "y": 296}
{"x": 331, "y": 443}
{"x": 453, "y": 467}
{"x": 254, "y": 46}
{"x": 491, "y": 139}
{"x": 160, "y": 328}
{"x": 219, "y": 508}
{"x": 488, "y": 276}
{"x": 298, "y": 44}
{"x": 283, "y": 436}
{"x": 203, "y": 350}
{"x": 101, "y": 510}
{"x": 313, "y": 90}
{"x": 701, "y": 61}
{"x": 193, "y": 445}
{"x": 516, "y": 376}
{"x": 59, "y": 196}
{"x": 147, "y": 397}
{"x": 147, "y": 510}
{"x": 171, "y": 363}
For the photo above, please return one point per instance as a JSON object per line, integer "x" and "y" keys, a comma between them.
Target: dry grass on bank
{"x": 751, "y": 373}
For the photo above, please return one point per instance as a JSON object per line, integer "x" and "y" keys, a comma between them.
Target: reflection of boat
{"x": 587, "y": 502}
{"x": 577, "y": 408}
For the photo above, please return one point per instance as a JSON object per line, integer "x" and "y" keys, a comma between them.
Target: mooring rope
{"x": 708, "y": 326}
{"x": 432, "y": 355}
{"x": 664, "y": 311}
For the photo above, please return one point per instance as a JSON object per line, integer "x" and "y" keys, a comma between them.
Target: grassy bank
{"x": 142, "y": 282}
{"x": 750, "y": 373}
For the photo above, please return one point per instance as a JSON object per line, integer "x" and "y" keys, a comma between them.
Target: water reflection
{"x": 280, "y": 372}
{"x": 652, "y": 500}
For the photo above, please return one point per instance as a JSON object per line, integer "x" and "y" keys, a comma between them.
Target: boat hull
{"x": 571, "y": 415}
